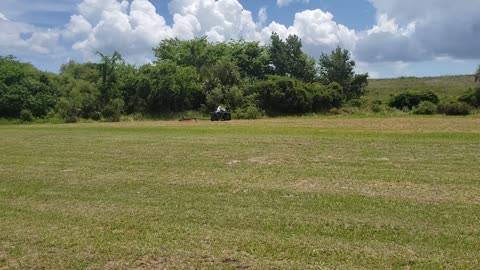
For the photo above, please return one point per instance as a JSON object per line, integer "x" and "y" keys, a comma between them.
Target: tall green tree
{"x": 166, "y": 87}
{"x": 288, "y": 59}
{"x": 338, "y": 67}
{"x": 279, "y": 55}
{"x": 195, "y": 53}
{"x": 108, "y": 77}
{"x": 251, "y": 59}
{"x": 86, "y": 71}
{"x": 225, "y": 72}
{"x": 111, "y": 99}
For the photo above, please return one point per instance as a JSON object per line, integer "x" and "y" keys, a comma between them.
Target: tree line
{"x": 195, "y": 75}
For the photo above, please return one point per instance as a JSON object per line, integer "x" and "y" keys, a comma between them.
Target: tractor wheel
{"x": 213, "y": 117}
{"x": 227, "y": 117}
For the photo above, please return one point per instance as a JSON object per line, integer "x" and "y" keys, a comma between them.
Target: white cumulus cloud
{"x": 2, "y": 17}
{"x": 77, "y": 28}
{"x": 92, "y": 10}
{"x": 134, "y": 28}
{"x": 19, "y": 38}
{"x": 220, "y": 20}
{"x": 318, "y": 31}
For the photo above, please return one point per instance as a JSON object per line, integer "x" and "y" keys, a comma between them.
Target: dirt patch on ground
{"x": 233, "y": 162}
{"x": 263, "y": 160}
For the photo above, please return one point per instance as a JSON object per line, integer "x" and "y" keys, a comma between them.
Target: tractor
{"x": 220, "y": 115}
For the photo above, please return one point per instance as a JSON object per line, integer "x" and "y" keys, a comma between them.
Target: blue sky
{"x": 387, "y": 38}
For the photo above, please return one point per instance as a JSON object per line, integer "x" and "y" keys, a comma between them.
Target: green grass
{"x": 446, "y": 86}
{"x": 288, "y": 193}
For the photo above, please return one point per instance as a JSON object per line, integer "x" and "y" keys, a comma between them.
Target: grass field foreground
{"x": 285, "y": 193}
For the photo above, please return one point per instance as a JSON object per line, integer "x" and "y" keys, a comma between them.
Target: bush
{"x": 26, "y": 115}
{"x": 215, "y": 98}
{"x": 471, "y": 97}
{"x": 132, "y": 117}
{"x": 357, "y": 103}
{"x": 376, "y": 108}
{"x": 234, "y": 97}
{"x": 336, "y": 111}
{"x": 283, "y": 95}
{"x": 376, "y": 102}
{"x": 67, "y": 110}
{"x": 454, "y": 108}
{"x": 22, "y": 86}
{"x": 113, "y": 110}
{"x": 231, "y": 98}
{"x": 96, "y": 116}
{"x": 425, "y": 108}
{"x": 410, "y": 99}
{"x": 249, "y": 112}
{"x": 325, "y": 98}
{"x": 71, "y": 119}
{"x": 138, "y": 117}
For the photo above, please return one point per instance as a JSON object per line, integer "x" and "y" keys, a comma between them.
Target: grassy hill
{"x": 445, "y": 87}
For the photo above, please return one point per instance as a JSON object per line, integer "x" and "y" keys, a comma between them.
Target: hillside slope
{"x": 445, "y": 87}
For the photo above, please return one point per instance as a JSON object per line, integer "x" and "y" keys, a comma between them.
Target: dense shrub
{"x": 471, "y": 97}
{"x": 357, "y": 103}
{"x": 376, "y": 108}
{"x": 26, "y": 115}
{"x": 336, "y": 111}
{"x": 249, "y": 112}
{"x": 410, "y": 99}
{"x": 282, "y": 95}
{"x": 215, "y": 98}
{"x": 67, "y": 110}
{"x": 425, "y": 108}
{"x": 138, "y": 117}
{"x": 232, "y": 98}
{"x": 113, "y": 110}
{"x": 454, "y": 108}
{"x": 85, "y": 96}
{"x": 324, "y": 98}
{"x": 22, "y": 86}
{"x": 376, "y": 102}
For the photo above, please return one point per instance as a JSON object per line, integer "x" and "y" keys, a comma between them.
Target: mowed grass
{"x": 325, "y": 193}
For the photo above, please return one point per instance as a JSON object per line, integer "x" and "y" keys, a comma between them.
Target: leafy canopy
{"x": 248, "y": 77}
{"x": 338, "y": 67}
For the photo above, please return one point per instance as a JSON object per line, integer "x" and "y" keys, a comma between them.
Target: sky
{"x": 387, "y": 38}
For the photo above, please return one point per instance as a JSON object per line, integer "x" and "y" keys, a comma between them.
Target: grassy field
{"x": 325, "y": 193}
{"x": 446, "y": 86}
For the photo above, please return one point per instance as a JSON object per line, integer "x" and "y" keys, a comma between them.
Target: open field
{"x": 289, "y": 193}
{"x": 446, "y": 86}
